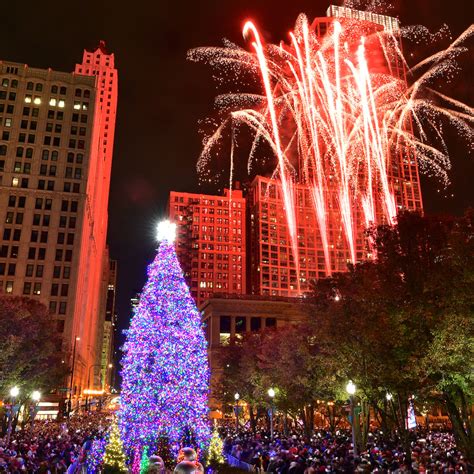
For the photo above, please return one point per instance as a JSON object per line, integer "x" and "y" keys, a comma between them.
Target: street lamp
{"x": 69, "y": 408}
{"x": 35, "y": 397}
{"x": 236, "y": 408}
{"x": 388, "y": 396}
{"x": 14, "y": 392}
{"x": 271, "y": 394}
{"x": 351, "y": 390}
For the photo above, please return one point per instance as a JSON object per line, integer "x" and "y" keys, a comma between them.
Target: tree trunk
{"x": 463, "y": 429}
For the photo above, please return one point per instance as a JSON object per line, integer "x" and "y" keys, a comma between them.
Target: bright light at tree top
{"x": 166, "y": 231}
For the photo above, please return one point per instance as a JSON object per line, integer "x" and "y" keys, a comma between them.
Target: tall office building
{"x": 56, "y": 147}
{"x": 210, "y": 241}
{"x": 273, "y": 269}
{"x": 107, "y": 368}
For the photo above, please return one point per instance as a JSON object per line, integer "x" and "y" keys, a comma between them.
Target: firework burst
{"x": 344, "y": 116}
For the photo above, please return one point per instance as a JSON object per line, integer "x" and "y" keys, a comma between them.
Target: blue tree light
{"x": 165, "y": 370}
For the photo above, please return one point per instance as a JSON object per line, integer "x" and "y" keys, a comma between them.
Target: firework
{"x": 342, "y": 120}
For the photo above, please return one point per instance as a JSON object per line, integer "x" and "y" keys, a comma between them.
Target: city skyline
{"x": 139, "y": 194}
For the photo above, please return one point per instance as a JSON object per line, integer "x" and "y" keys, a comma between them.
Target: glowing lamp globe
{"x": 36, "y": 396}
{"x": 271, "y": 392}
{"x": 166, "y": 231}
{"x": 351, "y": 388}
{"x": 14, "y": 392}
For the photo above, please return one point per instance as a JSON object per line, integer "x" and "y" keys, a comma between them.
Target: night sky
{"x": 162, "y": 95}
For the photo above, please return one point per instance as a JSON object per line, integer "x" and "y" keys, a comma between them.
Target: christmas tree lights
{"x": 145, "y": 462}
{"x": 165, "y": 375}
{"x": 114, "y": 458}
{"x": 215, "y": 457}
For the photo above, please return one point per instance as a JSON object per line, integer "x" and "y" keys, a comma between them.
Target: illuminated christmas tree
{"x": 114, "y": 457}
{"x": 145, "y": 462}
{"x": 215, "y": 457}
{"x": 165, "y": 375}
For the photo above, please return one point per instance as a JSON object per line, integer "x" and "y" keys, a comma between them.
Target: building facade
{"x": 55, "y": 163}
{"x": 210, "y": 241}
{"x": 107, "y": 368}
{"x": 227, "y": 317}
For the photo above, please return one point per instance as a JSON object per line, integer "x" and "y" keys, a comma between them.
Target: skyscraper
{"x": 274, "y": 268}
{"x": 210, "y": 241}
{"x": 55, "y": 162}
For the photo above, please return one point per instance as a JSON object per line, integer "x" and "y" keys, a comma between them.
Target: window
{"x": 270, "y": 322}
{"x": 16, "y": 235}
{"x": 41, "y": 253}
{"x": 2, "y": 268}
{"x": 62, "y": 307}
{"x": 60, "y": 325}
{"x": 64, "y": 205}
{"x": 29, "y": 153}
{"x": 59, "y": 255}
{"x": 54, "y": 289}
{"x": 70, "y": 239}
{"x": 31, "y": 253}
{"x": 39, "y": 270}
{"x": 9, "y": 218}
{"x": 39, "y": 203}
{"x": 45, "y": 155}
{"x": 255, "y": 324}
{"x": 52, "y": 306}
{"x": 46, "y": 220}
{"x": 11, "y": 269}
{"x": 27, "y": 288}
{"x": 4, "y": 251}
{"x": 21, "y": 201}
{"x": 68, "y": 256}
{"x": 29, "y": 270}
{"x": 5, "y": 135}
{"x": 3, "y": 150}
{"x": 60, "y": 239}
{"x": 64, "y": 289}
{"x": 19, "y": 218}
{"x": 37, "y": 288}
{"x": 56, "y": 272}
{"x": 54, "y": 156}
{"x": 34, "y": 236}
{"x": 9, "y": 287}
{"x": 14, "y": 251}
{"x": 74, "y": 206}
{"x": 66, "y": 272}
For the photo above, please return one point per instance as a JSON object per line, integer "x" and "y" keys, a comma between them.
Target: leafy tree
{"x": 402, "y": 325}
{"x": 30, "y": 355}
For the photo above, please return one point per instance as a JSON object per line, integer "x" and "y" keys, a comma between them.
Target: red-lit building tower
{"x": 210, "y": 241}
{"x": 273, "y": 270}
{"x": 98, "y": 63}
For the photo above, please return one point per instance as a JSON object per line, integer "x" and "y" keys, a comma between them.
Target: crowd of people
{"x": 62, "y": 447}
{"x": 431, "y": 452}
{"x": 53, "y": 447}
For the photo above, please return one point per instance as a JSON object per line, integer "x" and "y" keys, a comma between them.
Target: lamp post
{"x": 35, "y": 397}
{"x": 69, "y": 408}
{"x": 271, "y": 394}
{"x": 14, "y": 392}
{"x": 236, "y": 397}
{"x": 351, "y": 390}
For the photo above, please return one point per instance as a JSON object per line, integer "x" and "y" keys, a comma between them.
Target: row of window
{"x": 46, "y": 185}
